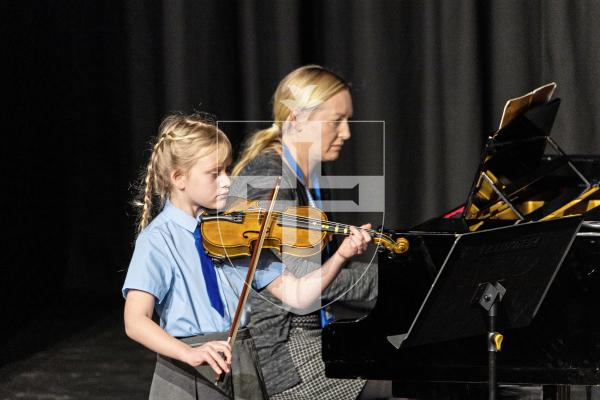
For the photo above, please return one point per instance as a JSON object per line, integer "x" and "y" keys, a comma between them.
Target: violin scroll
{"x": 398, "y": 246}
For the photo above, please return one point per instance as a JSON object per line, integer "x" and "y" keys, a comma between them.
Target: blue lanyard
{"x": 300, "y": 175}
{"x": 314, "y": 201}
{"x": 325, "y": 316}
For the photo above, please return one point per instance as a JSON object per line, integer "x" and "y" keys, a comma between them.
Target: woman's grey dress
{"x": 289, "y": 345}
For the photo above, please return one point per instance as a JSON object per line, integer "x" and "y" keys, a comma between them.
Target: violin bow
{"x": 251, "y": 270}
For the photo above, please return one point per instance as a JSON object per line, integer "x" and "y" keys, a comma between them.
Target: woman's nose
{"x": 345, "y": 131}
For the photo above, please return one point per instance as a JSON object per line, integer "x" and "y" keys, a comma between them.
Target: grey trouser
{"x": 174, "y": 380}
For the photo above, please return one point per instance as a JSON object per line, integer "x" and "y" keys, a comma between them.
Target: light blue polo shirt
{"x": 166, "y": 264}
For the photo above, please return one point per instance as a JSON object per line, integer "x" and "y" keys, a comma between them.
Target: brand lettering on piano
{"x": 528, "y": 242}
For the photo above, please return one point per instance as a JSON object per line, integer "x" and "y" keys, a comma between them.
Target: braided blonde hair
{"x": 181, "y": 141}
{"x": 328, "y": 84}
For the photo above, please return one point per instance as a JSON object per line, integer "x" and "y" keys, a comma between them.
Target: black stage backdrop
{"x": 89, "y": 81}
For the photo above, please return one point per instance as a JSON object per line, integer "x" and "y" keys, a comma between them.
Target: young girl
{"x": 170, "y": 273}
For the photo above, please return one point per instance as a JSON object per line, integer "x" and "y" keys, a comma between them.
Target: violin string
{"x": 287, "y": 217}
{"x": 294, "y": 218}
{"x": 291, "y": 218}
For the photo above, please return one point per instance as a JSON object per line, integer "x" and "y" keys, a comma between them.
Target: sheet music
{"x": 518, "y": 105}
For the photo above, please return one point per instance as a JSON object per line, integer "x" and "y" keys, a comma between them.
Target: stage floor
{"x": 99, "y": 362}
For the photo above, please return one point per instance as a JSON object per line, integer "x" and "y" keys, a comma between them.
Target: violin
{"x": 300, "y": 231}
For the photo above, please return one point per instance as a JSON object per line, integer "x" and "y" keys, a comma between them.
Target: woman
{"x": 311, "y": 109}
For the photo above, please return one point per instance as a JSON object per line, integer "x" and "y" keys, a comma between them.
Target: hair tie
{"x": 275, "y": 126}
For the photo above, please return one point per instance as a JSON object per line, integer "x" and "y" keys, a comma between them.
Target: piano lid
{"x": 524, "y": 175}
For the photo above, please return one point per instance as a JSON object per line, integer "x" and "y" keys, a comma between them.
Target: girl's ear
{"x": 178, "y": 179}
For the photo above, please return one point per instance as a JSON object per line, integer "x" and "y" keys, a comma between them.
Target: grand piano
{"x": 523, "y": 176}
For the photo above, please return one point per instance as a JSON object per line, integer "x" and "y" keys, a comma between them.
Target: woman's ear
{"x": 292, "y": 120}
{"x": 178, "y": 179}
{"x": 292, "y": 116}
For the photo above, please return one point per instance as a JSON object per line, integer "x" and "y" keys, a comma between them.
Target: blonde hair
{"x": 327, "y": 84}
{"x": 181, "y": 141}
